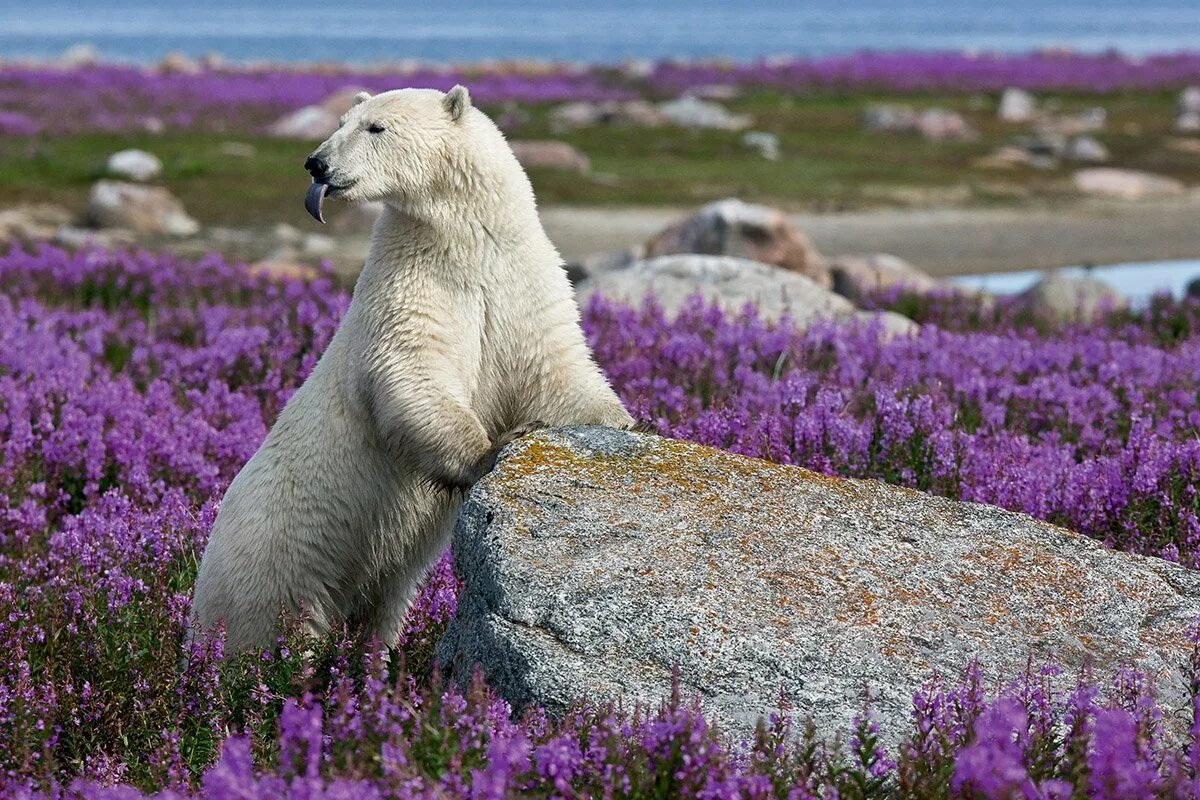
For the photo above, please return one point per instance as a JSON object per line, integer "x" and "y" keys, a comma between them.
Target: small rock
{"x": 1193, "y": 287}
{"x": 548, "y": 154}
{"x": 134, "y": 165}
{"x": 310, "y": 122}
{"x": 941, "y": 125}
{"x": 596, "y": 264}
{"x": 1189, "y": 101}
{"x": 107, "y": 239}
{"x": 238, "y": 150}
{"x": 1070, "y": 299}
{"x": 767, "y": 144}
{"x": 746, "y": 230}
{"x": 723, "y": 92}
{"x": 1086, "y": 148}
{"x": 890, "y": 324}
{"x": 146, "y": 210}
{"x": 856, "y": 276}
{"x": 1188, "y": 122}
{"x": 1006, "y": 157}
{"x": 1125, "y": 184}
{"x": 730, "y": 283}
{"x": 1016, "y": 105}
{"x": 341, "y": 101}
{"x": 80, "y": 55}
{"x": 286, "y": 234}
{"x": 1189, "y": 146}
{"x": 282, "y": 268}
{"x": 355, "y": 219}
{"x": 571, "y": 116}
{"x": 176, "y": 63}
{"x": 692, "y": 112}
{"x": 316, "y": 245}
{"x": 889, "y": 118}
{"x": 1093, "y": 120}
{"x": 33, "y": 223}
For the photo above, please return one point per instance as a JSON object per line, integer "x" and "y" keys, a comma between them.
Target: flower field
{"x": 55, "y": 101}
{"x": 134, "y": 385}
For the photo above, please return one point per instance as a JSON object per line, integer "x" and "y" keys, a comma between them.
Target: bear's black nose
{"x": 317, "y": 167}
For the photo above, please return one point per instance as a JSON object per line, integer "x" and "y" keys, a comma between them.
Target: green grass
{"x": 829, "y": 162}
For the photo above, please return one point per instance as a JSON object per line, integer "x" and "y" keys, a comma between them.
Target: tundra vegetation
{"x": 134, "y": 385}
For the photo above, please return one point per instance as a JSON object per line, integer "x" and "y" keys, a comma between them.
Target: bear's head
{"x": 403, "y": 147}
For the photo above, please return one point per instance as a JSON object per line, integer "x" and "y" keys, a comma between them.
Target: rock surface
{"x": 1125, "y": 184}
{"x": 134, "y": 165}
{"x": 728, "y": 282}
{"x": 1016, "y": 105}
{"x": 733, "y": 228}
{"x": 856, "y": 275}
{"x": 692, "y": 112}
{"x": 594, "y": 561}
{"x": 145, "y": 210}
{"x": 549, "y": 154}
{"x": 1071, "y": 299}
{"x": 309, "y": 122}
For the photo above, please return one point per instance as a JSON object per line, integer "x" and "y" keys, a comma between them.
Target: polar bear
{"x": 461, "y": 334}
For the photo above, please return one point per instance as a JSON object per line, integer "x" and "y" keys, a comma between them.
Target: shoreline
{"x": 943, "y": 242}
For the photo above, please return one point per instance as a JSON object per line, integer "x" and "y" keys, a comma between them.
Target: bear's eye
{"x": 375, "y": 127}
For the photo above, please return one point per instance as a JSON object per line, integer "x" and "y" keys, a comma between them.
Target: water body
{"x": 364, "y": 31}
{"x": 1138, "y": 282}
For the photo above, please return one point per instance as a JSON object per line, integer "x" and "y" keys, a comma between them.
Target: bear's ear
{"x": 457, "y": 101}
{"x": 360, "y": 97}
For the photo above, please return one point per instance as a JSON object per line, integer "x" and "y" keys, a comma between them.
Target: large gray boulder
{"x": 594, "y": 562}
{"x": 728, "y": 282}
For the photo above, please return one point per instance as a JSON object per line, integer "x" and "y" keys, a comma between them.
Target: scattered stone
{"x": 80, "y": 55}
{"x": 153, "y": 125}
{"x": 108, "y": 239}
{"x": 599, "y": 263}
{"x": 767, "y": 144}
{"x": 33, "y": 223}
{"x": 723, "y": 92}
{"x": 1086, "y": 148}
{"x": 310, "y": 122}
{"x": 355, "y": 219}
{"x": 1189, "y": 100}
{"x": 891, "y": 325}
{"x": 1188, "y": 122}
{"x": 855, "y": 276}
{"x": 934, "y": 124}
{"x": 317, "y": 245}
{"x": 286, "y": 234}
{"x": 145, "y": 210}
{"x": 730, "y": 283}
{"x": 1093, "y": 120}
{"x": 341, "y": 101}
{"x": 134, "y": 165}
{"x": 282, "y": 267}
{"x": 1125, "y": 184}
{"x": 638, "y": 113}
{"x": 942, "y": 125}
{"x": 1190, "y": 146}
{"x": 733, "y": 228}
{"x": 548, "y": 154}
{"x": 692, "y": 112}
{"x": 176, "y": 63}
{"x": 238, "y": 150}
{"x": 1017, "y": 105}
{"x": 1193, "y": 287}
{"x": 902, "y": 119}
{"x": 596, "y": 563}
{"x": 1009, "y": 156}
{"x": 1071, "y": 299}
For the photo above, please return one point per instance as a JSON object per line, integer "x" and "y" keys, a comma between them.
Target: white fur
{"x": 462, "y": 328}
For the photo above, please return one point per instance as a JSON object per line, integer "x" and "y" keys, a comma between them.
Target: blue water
{"x": 1138, "y": 282}
{"x": 362, "y": 31}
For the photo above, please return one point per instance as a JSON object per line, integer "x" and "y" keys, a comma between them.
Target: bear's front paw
{"x": 517, "y": 432}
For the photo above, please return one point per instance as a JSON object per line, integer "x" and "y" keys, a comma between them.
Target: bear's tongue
{"x": 314, "y": 199}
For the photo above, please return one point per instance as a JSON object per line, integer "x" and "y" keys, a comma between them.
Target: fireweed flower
{"x": 133, "y": 386}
